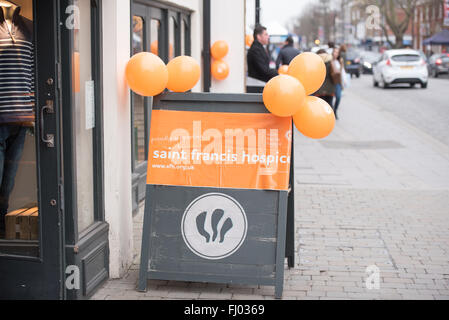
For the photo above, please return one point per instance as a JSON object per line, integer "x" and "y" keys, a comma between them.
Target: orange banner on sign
{"x": 220, "y": 150}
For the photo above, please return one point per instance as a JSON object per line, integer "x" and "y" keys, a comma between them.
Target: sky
{"x": 281, "y": 11}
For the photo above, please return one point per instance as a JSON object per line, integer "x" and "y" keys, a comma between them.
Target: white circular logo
{"x": 214, "y": 226}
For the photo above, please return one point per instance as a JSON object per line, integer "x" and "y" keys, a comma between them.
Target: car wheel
{"x": 434, "y": 73}
{"x": 375, "y": 83}
{"x": 424, "y": 85}
{"x": 357, "y": 75}
{"x": 384, "y": 84}
{"x": 412, "y": 85}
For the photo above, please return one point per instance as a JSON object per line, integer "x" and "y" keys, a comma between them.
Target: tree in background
{"x": 316, "y": 15}
{"x": 306, "y": 24}
{"x": 397, "y": 15}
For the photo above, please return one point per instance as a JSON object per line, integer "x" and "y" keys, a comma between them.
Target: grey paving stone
{"x": 356, "y": 207}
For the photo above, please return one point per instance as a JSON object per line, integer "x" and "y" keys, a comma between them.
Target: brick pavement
{"x": 376, "y": 192}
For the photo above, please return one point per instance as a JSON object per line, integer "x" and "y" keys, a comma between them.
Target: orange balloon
{"x": 315, "y": 119}
{"x": 310, "y": 70}
{"x": 183, "y": 74}
{"x": 146, "y": 74}
{"x": 219, "y": 50}
{"x": 220, "y": 69}
{"x": 154, "y": 48}
{"x": 284, "y": 95}
{"x": 283, "y": 69}
{"x": 249, "y": 39}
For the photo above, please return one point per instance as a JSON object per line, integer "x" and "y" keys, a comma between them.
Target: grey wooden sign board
{"x": 262, "y": 221}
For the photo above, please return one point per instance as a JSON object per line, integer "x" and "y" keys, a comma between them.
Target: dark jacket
{"x": 16, "y": 70}
{"x": 259, "y": 63}
{"x": 328, "y": 87}
{"x": 286, "y": 55}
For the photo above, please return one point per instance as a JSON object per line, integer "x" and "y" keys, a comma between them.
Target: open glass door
{"x": 31, "y": 219}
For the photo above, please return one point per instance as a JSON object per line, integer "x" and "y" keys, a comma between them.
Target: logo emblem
{"x": 214, "y": 226}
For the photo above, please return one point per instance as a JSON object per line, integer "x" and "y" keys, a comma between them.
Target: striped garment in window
{"x": 16, "y": 71}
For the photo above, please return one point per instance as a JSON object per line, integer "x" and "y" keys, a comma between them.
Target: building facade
{"x": 82, "y": 165}
{"x": 428, "y": 20}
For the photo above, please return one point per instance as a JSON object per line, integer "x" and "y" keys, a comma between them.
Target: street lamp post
{"x": 257, "y": 12}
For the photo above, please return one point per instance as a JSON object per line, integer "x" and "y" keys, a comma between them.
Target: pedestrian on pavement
{"x": 327, "y": 90}
{"x": 258, "y": 58}
{"x": 331, "y": 47}
{"x": 343, "y": 49}
{"x": 337, "y": 78}
{"x": 287, "y": 53}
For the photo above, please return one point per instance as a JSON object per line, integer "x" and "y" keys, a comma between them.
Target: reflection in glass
{"x": 137, "y": 34}
{"x": 183, "y": 40}
{"x": 171, "y": 39}
{"x": 84, "y": 112}
{"x": 139, "y": 101}
{"x": 154, "y": 36}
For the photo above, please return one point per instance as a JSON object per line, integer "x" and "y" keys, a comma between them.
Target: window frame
{"x": 73, "y": 235}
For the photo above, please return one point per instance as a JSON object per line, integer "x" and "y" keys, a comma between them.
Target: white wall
{"x": 117, "y": 135}
{"x": 228, "y": 24}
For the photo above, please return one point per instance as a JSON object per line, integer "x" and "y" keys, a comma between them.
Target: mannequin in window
{"x": 16, "y": 95}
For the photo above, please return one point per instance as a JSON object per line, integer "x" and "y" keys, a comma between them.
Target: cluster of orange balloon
{"x": 219, "y": 68}
{"x": 249, "y": 39}
{"x": 147, "y": 75}
{"x": 283, "y": 69}
{"x": 154, "y": 48}
{"x": 288, "y": 95}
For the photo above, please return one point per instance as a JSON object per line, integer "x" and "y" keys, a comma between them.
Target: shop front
{"x": 73, "y": 138}
{"x": 53, "y": 235}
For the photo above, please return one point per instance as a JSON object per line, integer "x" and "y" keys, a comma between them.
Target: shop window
{"x": 84, "y": 112}
{"x": 19, "y": 211}
{"x": 83, "y": 121}
{"x": 185, "y": 36}
{"x": 155, "y": 26}
{"x": 138, "y": 34}
{"x": 174, "y": 32}
{"x": 183, "y": 40}
{"x": 165, "y": 32}
{"x": 138, "y": 41}
{"x": 171, "y": 38}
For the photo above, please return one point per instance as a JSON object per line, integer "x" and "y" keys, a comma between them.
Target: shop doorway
{"x": 31, "y": 236}
{"x": 54, "y": 238}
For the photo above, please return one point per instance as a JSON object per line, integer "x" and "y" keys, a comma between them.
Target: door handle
{"x": 49, "y": 139}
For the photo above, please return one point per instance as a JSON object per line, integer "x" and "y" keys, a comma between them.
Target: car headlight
{"x": 368, "y": 65}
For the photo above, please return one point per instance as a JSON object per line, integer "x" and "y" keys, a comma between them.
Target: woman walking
{"x": 337, "y": 65}
{"x": 327, "y": 90}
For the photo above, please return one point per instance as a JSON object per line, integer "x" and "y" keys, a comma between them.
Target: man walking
{"x": 287, "y": 53}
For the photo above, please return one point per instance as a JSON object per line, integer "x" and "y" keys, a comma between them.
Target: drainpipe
{"x": 206, "y": 46}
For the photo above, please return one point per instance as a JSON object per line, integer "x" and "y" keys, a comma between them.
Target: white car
{"x": 316, "y": 49}
{"x": 400, "y": 66}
